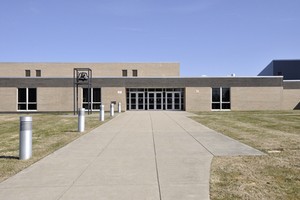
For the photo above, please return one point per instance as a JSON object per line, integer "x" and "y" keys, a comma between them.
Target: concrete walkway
{"x": 137, "y": 155}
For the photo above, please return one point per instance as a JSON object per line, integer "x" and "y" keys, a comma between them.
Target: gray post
{"x": 112, "y": 110}
{"x": 25, "y": 146}
{"x": 119, "y": 107}
{"x": 101, "y": 113}
{"x": 81, "y": 120}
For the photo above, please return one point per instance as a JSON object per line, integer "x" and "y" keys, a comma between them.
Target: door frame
{"x": 155, "y": 100}
{"x": 173, "y": 100}
{"x": 136, "y": 100}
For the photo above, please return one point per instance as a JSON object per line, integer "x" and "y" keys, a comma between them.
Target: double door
{"x": 155, "y": 100}
{"x": 137, "y": 101}
{"x": 173, "y": 100}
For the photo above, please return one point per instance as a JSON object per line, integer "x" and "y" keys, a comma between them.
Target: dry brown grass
{"x": 274, "y": 176}
{"x": 50, "y": 132}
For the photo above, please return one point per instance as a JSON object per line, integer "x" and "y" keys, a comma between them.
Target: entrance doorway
{"x": 173, "y": 100}
{"x": 155, "y": 100}
{"x": 136, "y": 101}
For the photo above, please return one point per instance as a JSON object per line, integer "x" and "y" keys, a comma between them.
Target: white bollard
{"x": 101, "y": 117}
{"x": 25, "y": 146}
{"x": 81, "y": 120}
{"x": 112, "y": 110}
{"x": 119, "y": 107}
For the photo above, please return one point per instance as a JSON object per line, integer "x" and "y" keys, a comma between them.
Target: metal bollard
{"x": 112, "y": 110}
{"x": 81, "y": 120}
{"x": 119, "y": 107}
{"x": 101, "y": 113}
{"x": 25, "y": 146}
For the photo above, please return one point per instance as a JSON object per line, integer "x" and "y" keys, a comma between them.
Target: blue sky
{"x": 207, "y": 37}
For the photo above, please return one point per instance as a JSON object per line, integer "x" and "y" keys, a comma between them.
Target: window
{"x": 220, "y": 99}
{"x": 27, "y": 99}
{"x": 134, "y": 73}
{"x": 124, "y": 72}
{"x": 95, "y": 98}
{"x": 38, "y": 73}
{"x": 27, "y": 73}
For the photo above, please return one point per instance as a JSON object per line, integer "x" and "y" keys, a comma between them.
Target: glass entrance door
{"x": 155, "y": 100}
{"x": 173, "y": 100}
{"x": 136, "y": 101}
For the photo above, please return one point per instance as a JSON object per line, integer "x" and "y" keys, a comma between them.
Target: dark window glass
{"x": 124, "y": 72}
{"x": 96, "y": 95}
{"x": 21, "y": 106}
{"x": 225, "y": 105}
{"x": 31, "y": 94}
{"x": 225, "y": 94}
{"x": 215, "y": 106}
{"x": 85, "y": 105}
{"x": 38, "y": 73}
{"x": 32, "y": 107}
{"x": 27, "y": 73}
{"x": 96, "y": 106}
{"x": 85, "y": 95}
{"x": 22, "y": 95}
{"x": 215, "y": 94}
{"x": 134, "y": 72}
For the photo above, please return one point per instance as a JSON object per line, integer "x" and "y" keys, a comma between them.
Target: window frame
{"x": 221, "y": 103}
{"x": 27, "y": 101}
{"x": 124, "y": 73}
{"x": 38, "y": 73}
{"x": 92, "y": 99}
{"x": 27, "y": 73}
{"x": 134, "y": 73}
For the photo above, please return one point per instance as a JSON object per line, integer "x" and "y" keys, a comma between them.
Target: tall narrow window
{"x": 124, "y": 73}
{"x": 38, "y": 73}
{"x": 134, "y": 73}
{"x": 27, "y": 73}
{"x": 27, "y": 99}
{"x": 95, "y": 98}
{"x": 220, "y": 99}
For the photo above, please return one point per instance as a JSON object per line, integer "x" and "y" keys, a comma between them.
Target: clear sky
{"x": 207, "y": 37}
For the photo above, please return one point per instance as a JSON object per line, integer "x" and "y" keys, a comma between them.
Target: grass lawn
{"x": 274, "y": 176}
{"x": 50, "y": 132}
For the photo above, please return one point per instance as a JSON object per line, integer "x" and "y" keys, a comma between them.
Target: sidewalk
{"x": 137, "y": 155}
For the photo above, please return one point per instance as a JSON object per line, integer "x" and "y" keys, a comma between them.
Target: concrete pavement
{"x": 137, "y": 155}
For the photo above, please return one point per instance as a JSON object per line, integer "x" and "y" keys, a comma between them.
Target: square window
{"x": 124, "y": 73}
{"x": 27, "y": 73}
{"x": 220, "y": 99}
{"x": 134, "y": 73}
{"x": 38, "y": 73}
{"x": 27, "y": 99}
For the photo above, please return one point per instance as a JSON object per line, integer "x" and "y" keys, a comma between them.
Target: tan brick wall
{"x": 8, "y": 99}
{"x": 98, "y": 69}
{"x": 117, "y": 94}
{"x": 198, "y": 99}
{"x": 256, "y": 98}
{"x": 291, "y": 98}
{"x": 56, "y": 99}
